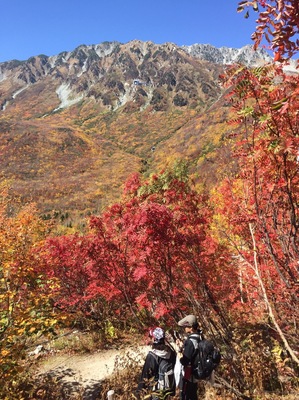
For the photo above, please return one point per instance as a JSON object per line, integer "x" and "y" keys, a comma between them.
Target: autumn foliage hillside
{"x": 71, "y": 136}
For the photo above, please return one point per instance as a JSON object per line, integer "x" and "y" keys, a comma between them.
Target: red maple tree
{"x": 150, "y": 253}
{"x": 261, "y": 203}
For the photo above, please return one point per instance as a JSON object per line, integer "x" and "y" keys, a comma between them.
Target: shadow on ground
{"x": 70, "y": 386}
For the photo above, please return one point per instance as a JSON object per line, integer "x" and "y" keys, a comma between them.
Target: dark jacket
{"x": 151, "y": 366}
{"x": 189, "y": 352}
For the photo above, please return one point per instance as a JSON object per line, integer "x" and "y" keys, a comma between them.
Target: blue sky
{"x": 33, "y": 27}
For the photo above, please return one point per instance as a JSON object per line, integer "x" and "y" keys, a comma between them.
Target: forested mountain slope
{"x": 74, "y": 126}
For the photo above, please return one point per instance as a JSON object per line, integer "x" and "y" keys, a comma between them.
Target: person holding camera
{"x": 188, "y": 385}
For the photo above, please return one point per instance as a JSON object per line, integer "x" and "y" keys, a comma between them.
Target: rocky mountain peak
{"x": 226, "y": 55}
{"x": 135, "y": 75}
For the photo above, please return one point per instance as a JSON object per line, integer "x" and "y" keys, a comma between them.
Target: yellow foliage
{"x": 24, "y": 300}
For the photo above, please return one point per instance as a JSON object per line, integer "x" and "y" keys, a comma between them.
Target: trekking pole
{"x": 110, "y": 395}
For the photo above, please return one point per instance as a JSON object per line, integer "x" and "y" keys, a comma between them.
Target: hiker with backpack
{"x": 158, "y": 369}
{"x": 198, "y": 357}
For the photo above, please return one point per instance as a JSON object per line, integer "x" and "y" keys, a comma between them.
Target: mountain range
{"x": 74, "y": 126}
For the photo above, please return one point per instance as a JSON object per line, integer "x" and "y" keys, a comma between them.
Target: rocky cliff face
{"x": 226, "y": 55}
{"x": 114, "y": 74}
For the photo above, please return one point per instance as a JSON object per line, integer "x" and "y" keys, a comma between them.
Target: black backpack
{"x": 165, "y": 376}
{"x": 207, "y": 357}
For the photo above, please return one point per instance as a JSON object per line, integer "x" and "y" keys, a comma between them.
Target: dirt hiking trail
{"x": 84, "y": 373}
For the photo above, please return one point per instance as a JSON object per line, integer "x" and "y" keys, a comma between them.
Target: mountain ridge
{"x": 229, "y": 54}
{"x": 88, "y": 61}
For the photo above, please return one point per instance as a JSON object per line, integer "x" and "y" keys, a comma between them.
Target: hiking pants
{"x": 188, "y": 390}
